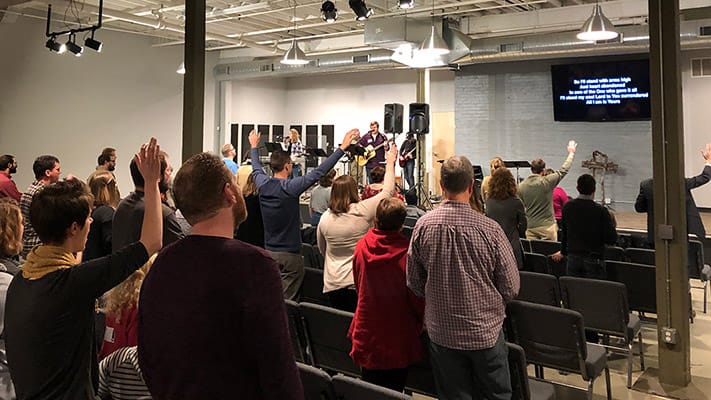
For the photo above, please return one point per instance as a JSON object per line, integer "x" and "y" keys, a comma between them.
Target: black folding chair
{"x": 615, "y": 253}
{"x": 307, "y": 251}
{"x": 554, "y": 337}
{"x": 697, "y": 268}
{"x": 640, "y": 281}
{"x": 316, "y": 383}
{"x": 545, "y": 247}
{"x": 296, "y": 331}
{"x": 327, "y": 334}
{"x": 536, "y": 263}
{"x": 640, "y": 256}
{"x": 420, "y": 378}
{"x": 604, "y": 307}
{"x": 355, "y": 389}
{"x": 526, "y": 245}
{"x": 523, "y": 387}
{"x": 312, "y": 287}
{"x": 539, "y": 288}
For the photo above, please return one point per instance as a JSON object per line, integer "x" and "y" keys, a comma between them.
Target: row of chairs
{"x": 319, "y": 337}
{"x": 312, "y": 256}
{"x": 603, "y": 304}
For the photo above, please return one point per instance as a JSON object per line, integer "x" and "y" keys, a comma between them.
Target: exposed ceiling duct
{"x": 695, "y": 34}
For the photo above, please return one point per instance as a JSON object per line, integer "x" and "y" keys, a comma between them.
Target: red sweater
{"x": 120, "y": 334}
{"x": 386, "y": 327}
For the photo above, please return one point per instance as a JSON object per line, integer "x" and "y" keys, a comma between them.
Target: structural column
{"x": 423, "y": 96}
{"x": 194, "y": 78}
{"x": 669, "y": 192}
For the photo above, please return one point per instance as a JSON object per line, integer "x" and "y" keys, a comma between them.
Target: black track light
{"x": 73, "y": 47}
{"x": 328, "y": 11}
{"x": 361, "y": 11}
{"x": 405, "y": 4}
{"x": 52, "y": 45}
{"x": 93, "y": 44}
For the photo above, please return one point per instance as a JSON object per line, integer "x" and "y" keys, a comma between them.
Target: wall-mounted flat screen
{"x": 605, "y": 91}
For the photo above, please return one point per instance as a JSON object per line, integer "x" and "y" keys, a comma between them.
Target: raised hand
{"x": 349, "y": 137}
{"x": 391, "y": 155}
{"x": 572, "y": 146}
{"x": 148, "y": 161}
{"x": 707, "y": 153}
{"x": 254, "y": 138}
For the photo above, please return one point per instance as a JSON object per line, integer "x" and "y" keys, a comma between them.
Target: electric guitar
{"x": 370, "y": 152}
{"x": 403, "y": 158}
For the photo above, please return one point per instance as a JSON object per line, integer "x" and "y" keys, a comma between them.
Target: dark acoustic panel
{"x": 327, "y": 138}
{"x": 264, "y": 132}
{"x": 244, "y": 140}
{"x": 311, "y": 142}
{"x": 277, "y": 133}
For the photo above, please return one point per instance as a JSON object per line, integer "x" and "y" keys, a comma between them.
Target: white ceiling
{"x": 268, "y": 25}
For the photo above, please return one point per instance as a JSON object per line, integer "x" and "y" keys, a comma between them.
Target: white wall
{"x": 72, "y": 107}
{"x": 346, "y": 101}
{"x": 696, "y": 94}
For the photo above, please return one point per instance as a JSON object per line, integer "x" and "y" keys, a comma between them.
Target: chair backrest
{"x": 624, "y": 240}
{"x": 526, "y": 245}
{"x": 551, "y": 336}
{"x": 349, "y": 388}
{"x": 318, "y": 259}
{"x": 298, "y": 339}
{"x": 536, "y": 263}
{"x": 327, "y": 334}
{"x": 312, "y": 287}
{"x": 615, "y": 253}
{"x": 518, "y": 372}
{"x": 603, "y": 304}
{"x": 304, "y": 213}
{"x": 640, "y": 256}
{"x": 641, "y": 283}
{"x": 307, "y": 251}
{"x": 696, "y": 258}
{"x": 317, "y": 384}
{"x": 545, "y": 247}
{"x": 539, "y": 288}
{"x": 420, "y": 378}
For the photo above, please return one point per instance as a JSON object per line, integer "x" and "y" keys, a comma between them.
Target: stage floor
{"x": 633, "y": 220}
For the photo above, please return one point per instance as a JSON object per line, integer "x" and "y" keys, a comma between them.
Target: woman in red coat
{"x": 386, "y": 327}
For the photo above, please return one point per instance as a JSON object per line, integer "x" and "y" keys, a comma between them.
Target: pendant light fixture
{"x": 294, "y": 56}
{"x": 181, "y": 68}
{"x": 434, "y": 45}
{"x": 597, "y": 27}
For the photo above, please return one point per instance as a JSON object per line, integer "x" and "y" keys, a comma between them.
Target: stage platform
{"x": 638, "y": 221}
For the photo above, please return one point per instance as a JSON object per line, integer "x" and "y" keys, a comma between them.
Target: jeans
{"x": 409, "y": 172}
{"x": 367, "y": 173}
{"x": 296, "y": 171}
{"x": 472, "y": 374}
{"x": 291, "y": 266}
{"x": 315, "y": 218}
{"x": 586, "y": 267}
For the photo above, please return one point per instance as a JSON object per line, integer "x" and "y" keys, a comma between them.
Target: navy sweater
{"x": 279, "y": 200}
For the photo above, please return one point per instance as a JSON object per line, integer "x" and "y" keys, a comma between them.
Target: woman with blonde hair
{"x": 252, "y": 229}
{"x": 121, "y": 309}
{"x": 102, "y": 185}
{"x": 504, "y": 207}
{"x": 11, "y": 230}
{"x": 495, "y": 163}
{"x": 342, "y": 225}
{"x": 296, "y": 149}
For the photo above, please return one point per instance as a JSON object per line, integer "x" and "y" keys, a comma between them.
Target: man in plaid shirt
{"x": 47, "y": 170}
{"x": 462, "y": 264}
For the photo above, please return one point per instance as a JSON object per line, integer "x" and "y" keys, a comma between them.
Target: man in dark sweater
{"x": 279, "y": 198}
{"x": 211, "y": 313}
{"x": 586, "y": 227}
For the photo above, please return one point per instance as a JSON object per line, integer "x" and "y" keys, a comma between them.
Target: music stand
{"x": 517, "y": 165}
{"x": 273, "y": 146}
{"x": 478, "y": 172}
{"x": 313, "y": 153}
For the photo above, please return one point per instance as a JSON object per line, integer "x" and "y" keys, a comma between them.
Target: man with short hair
{"x": 128, "y": 218}
{"x": 536, "y": 192}
{"x": 106, "y": 160}
{"x": 229, "y": 153}
{"x": 586, "y": 227}
{"x": 47, "y": 170}
{"x": 463, "y": 265}
{"x": 211, "y": 314}
{"x": 279, "y": 200}
{"x": 8, "y": 166}
{"x": 374, "y": 138}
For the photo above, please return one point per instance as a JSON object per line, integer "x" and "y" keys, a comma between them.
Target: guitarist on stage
{"x": 407, "y": 159}
{"x": 374, "y": 139}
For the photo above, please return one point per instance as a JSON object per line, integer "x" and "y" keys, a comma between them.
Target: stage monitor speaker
{"x": 419, "y": 118}
{"x": 393, "y": 118}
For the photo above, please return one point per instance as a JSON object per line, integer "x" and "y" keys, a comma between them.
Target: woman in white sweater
{"x": 341, "y": 227}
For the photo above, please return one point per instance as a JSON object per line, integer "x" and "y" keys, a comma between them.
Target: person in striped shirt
{"x": 120, "y": 376}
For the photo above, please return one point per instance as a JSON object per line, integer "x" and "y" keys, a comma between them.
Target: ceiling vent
{"x": 510, "y": 47}
{"x": 705, "y": 31}
{"x": 266, "y": 68}
{"x": 362, "y": 59}
{"x": 700, "y": 67}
